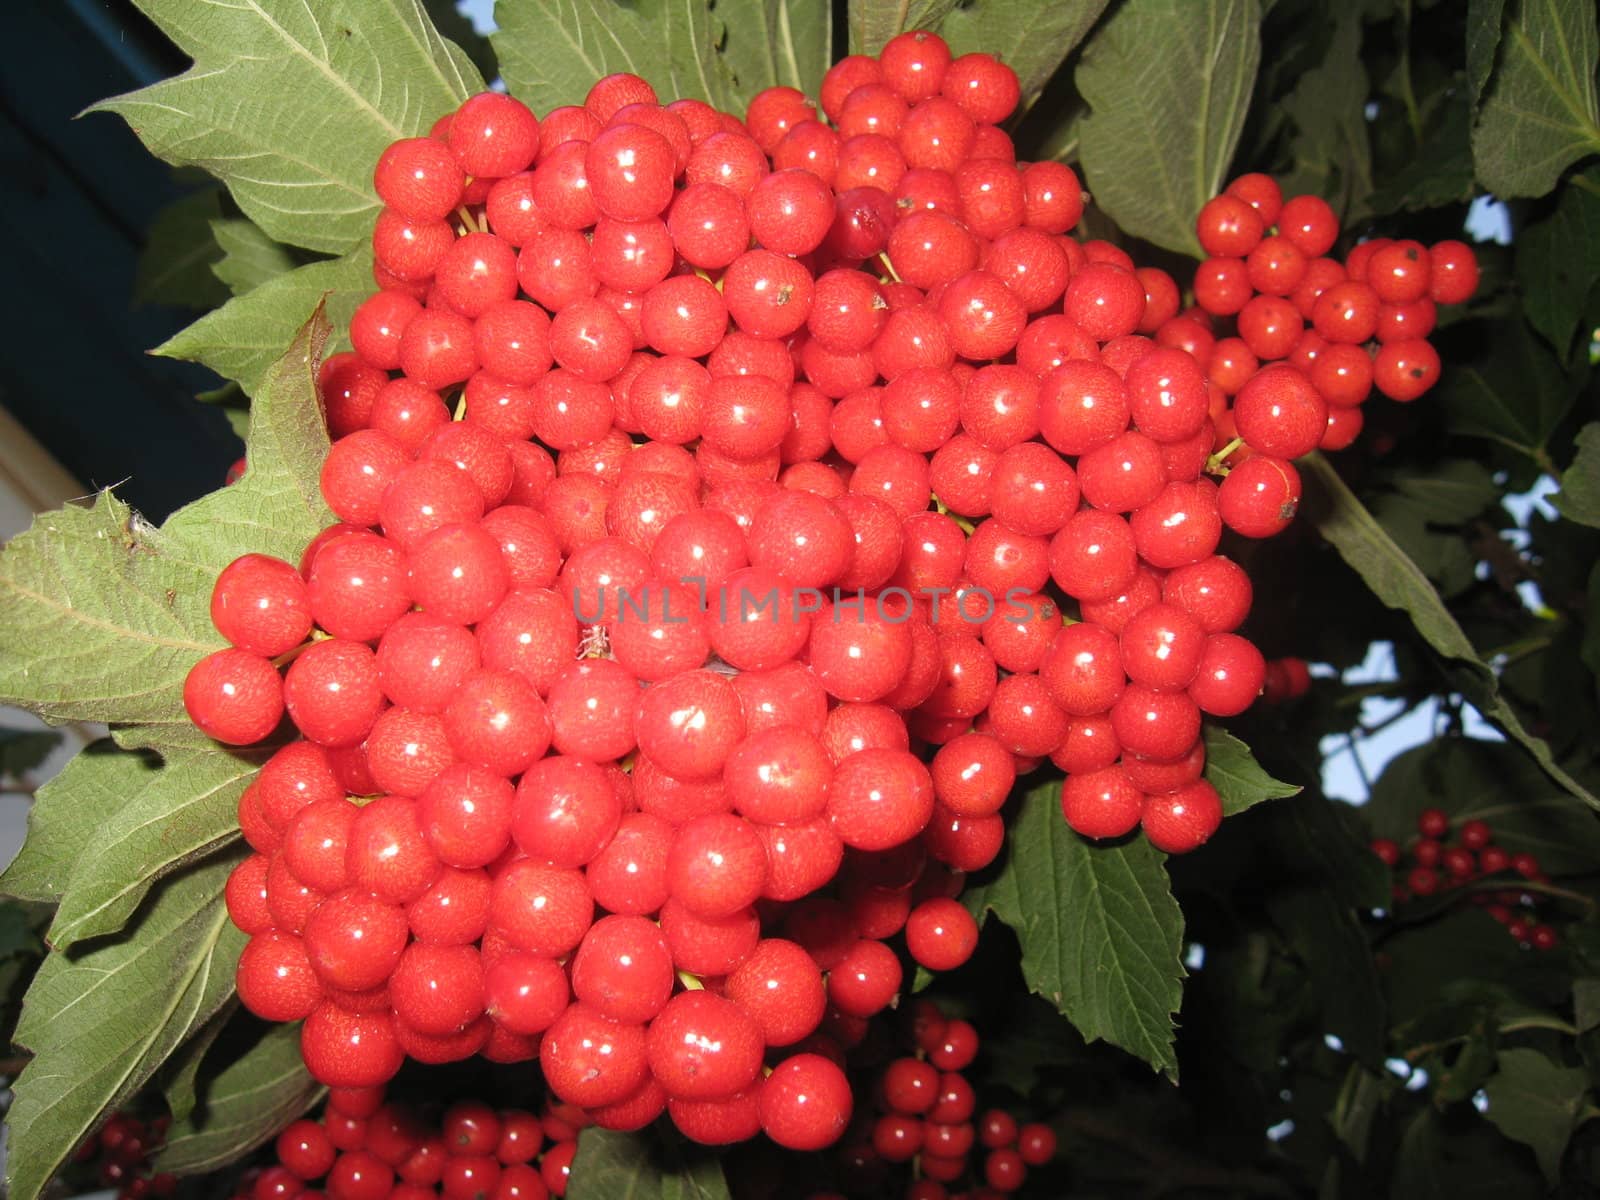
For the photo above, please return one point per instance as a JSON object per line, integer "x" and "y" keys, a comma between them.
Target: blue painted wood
{"x": 76, "y": 197}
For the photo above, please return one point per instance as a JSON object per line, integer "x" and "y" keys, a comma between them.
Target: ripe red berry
{"x": 1181, "y": 821}
{"x": 941, "y": 934}
{"x": 805, "y": 1103}
{"x": 234, "y": 696}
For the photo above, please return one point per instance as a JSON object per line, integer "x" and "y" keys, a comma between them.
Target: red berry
{"x": 941, "y": 934}
{"x": 234, "y": 696}
{"x": 805, "y": 1103}
{"x": 1181, "y": 821}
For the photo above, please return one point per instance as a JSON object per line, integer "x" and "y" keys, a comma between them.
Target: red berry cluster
{"x": 120, "y": 1154}
{"x": 364, "y": 1148}
{"x": 1347, "y": 327}
{"x": 1433, "y": 865}
{"x": 925, "y": 1120}
{"x": 780, "y": 445}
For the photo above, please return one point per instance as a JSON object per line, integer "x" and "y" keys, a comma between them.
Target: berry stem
{"x": 288, "y": 656}
{"x": 691, "y": 982}
{"x": 1531, "y": 885}
{"x": 1214, "y": 464}
{"x": 1516, "y": 1025}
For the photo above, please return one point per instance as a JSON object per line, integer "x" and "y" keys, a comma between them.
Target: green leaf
{"x": 1485, "y": 20}
{"x": 1443, "y": 1159}
{"x": 1424, "y": 513}
{"x": 1397, "y": 581}
{"x": 1516, "y": 397}
{"x": 1579, "y": 497}
{"x": 1487, "y": 781}
{"x": 101, "y": 617}
{"x": 57, "y": 839}
{"x": 1332, "y": 149}
{"x": 1101, "y": 934}
{"x": 167, "y": 814}
{"x": 1033, "y": 39}
{"x": 249, "y": 256}
{"x": 244, "y": 337}
{"x": 1451, "y": 491}
{"x": 1439, "y": 172}
{"x": 1168, "y": 83}
{"x": 1554, "y": 262}
{"x": 290, "y": 104}
{"x": 1585, "y": 1004}
{"x": 551, "y": 54}
{"x": 102, "y": 614}
{"x": 874, "y": 22}
{"x": 777, "y": 43}
{"x": 1535, "y": 1102}
{"x": 693, "y": 67}
{"x": 256, "y": 1083}
{"x": 101, "y": 1021}
{"x": 1539, "y": 113}
{"x": 180, "y": 1073}
{"x": 610, "y": 1166}
{"x": 1327, "y": 938}
{"x": 1326, "y": 844}
{"x": 1237, "y": 776}
{"x": 179, "y": 251}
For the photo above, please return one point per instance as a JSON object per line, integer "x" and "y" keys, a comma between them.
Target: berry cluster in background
{"x": 119, "y": 1154}
{"x": 925, "y": 1139}
{"x": 729, "y": 512}
{"x": 1434, "y": 865}
{"x": 365, "y": 1146}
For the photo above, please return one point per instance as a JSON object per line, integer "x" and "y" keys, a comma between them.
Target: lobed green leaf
{"x": 101, "y": 1020}
{"x": 1538, "y": 113}
{"x": 101, "y": 617}
{"x": 1168, "y": 83}
{"x": 1101, "y": 934}
{"x": 290, "y": 104}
